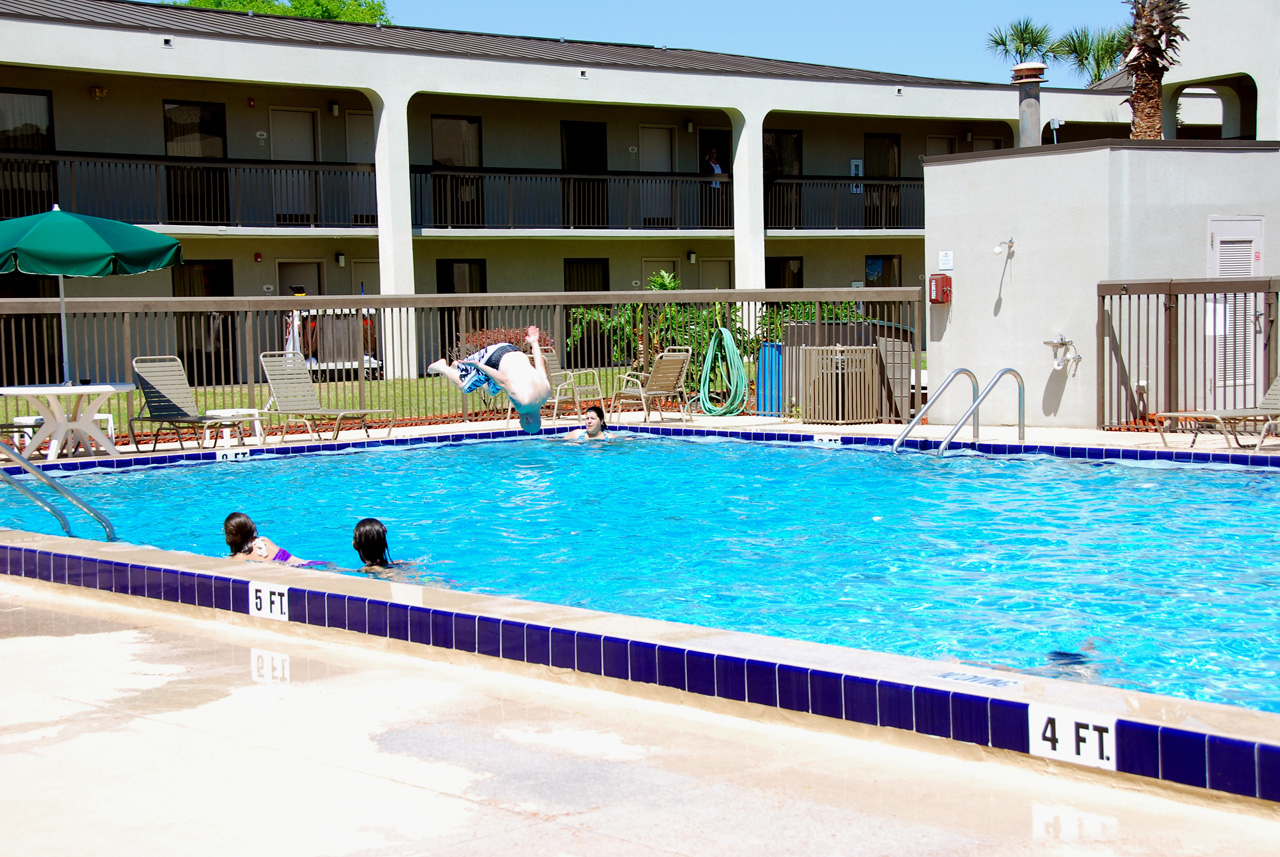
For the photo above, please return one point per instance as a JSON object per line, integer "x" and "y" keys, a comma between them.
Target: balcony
{"x": 491, "y": 198}
{"x": 189, "y": 192}
{"x": 839, "y": 202}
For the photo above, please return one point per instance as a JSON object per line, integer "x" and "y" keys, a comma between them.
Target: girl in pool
{"x": 247, "y": 546}
{"x": 595, "y": 426}
{"x": 370, "y": 541}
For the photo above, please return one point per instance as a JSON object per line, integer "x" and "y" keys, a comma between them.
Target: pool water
{"x": 1150, "y": 576}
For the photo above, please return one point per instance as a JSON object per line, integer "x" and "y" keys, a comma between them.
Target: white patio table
{"x": 68, "y": 411}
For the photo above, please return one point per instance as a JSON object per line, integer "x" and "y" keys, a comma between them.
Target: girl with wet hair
{"x": 246, "y": 545}
{"x": 370, "y": 542}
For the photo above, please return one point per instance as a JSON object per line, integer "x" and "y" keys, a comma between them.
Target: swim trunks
{"x": 473, "y": 379}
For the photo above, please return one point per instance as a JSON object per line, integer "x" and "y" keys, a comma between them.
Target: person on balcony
{"x": 505, "y": 368}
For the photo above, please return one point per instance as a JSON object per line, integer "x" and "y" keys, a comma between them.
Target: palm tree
{"x": 1023, "y": 41}
{"x": 1093, "y": 54}
{"x": 1152, "y": 50}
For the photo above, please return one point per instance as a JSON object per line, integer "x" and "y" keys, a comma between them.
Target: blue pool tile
{"x": 187, "y": 588}
{"x": 171, "y": 586}
{"x": 1182, "y": 757}
{"x": 1009, "y": 728}
{"x": 671, "y": 671}
{"x": 860, "y": 700}
{"x": 700, "y": 673}
{"x": 204, "y": 587}
{"x": 793, "y": 688}
{"x": 295, "y": 605}
{"x": 643, "y": 659}
{"x": 969, "y": 719}
{"x": 441, "y": 629}
{"x": 464, "y": 632}
{"x": 222, "y": 593}
{"x": 1232, "y": 766}
{"x": 315, "y": 607}
{"x": 537, "y": 644}
{"x": 893, "y": 702}
{"x": 44, "y": 566}
{"x": 825, "y": 694}
{"x": 336, "y": 611}
{"x": 58, "y": 568}
{"x": 616, "y": 663}
{"x": 563, "y": 649}
{"x": 587, "y": 650}
{"x": 1268, "y": 772}
{"x": 512, "y": 636}
{"x": 731, "y": 678}
{"x": 154, "y": 583}
{"x": 377, "y": 616}
{"x": 357, "y": 614}
{"x": 932, "y": 711}
{"x": 762, "y": 683}
{"x": 240, "y": 596}
{"x": 397, "y": 622}
{"x": 1094, "y": 454}
{"x": 71, "y": 570}
{"x": 417, "y": 624}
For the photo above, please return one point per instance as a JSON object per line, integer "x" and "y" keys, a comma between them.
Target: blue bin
{"x": 769, "y": 380}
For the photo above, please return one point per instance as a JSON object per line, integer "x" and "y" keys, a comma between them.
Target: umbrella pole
{"x": 62, "y": 313}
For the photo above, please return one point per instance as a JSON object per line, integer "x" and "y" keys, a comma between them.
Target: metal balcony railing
{"x": 205, "y": 192}
{"x": 840, "y": 202}
{"x": 491, "y": 198}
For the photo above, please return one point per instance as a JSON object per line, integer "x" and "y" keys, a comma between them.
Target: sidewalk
{"x": 127, "y": 731}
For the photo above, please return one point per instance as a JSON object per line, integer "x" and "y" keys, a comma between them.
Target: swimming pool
{"x": 1166, "y": 570}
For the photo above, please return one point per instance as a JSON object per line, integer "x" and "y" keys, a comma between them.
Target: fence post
{"x": 1268, "y": 335}
{"x": 1171, "y": 328}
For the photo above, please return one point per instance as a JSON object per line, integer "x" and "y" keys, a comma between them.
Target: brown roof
{"x": 242, "y": 26}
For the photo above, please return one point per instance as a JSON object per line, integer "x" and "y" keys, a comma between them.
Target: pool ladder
{"x": 65, "y": 493}
{"x": 978, "y": 399}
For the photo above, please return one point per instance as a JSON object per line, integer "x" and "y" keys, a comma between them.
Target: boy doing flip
{"x": 504, "y": 367}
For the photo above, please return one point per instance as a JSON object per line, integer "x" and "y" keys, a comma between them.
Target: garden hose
{"x": 724, "y": 352}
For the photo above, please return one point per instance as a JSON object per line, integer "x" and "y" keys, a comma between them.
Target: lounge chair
{"x": 1228, "y": 421}
{"x": 169, "y": 400}
{"x": 568, "y": 385}
{"x": 665, "y": 380}
{"x": 294, "y": 396}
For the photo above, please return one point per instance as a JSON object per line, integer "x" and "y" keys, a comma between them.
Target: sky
{"x": 929, "y": 38}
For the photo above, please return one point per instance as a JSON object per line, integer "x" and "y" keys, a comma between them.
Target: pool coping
{"x": 1205, "y": 746}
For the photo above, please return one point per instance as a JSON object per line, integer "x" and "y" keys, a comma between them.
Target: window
{"x": 460, "y": 277}
{"x": 783, "y": 153}
{"x": 590, "y": 345}
{"x": 586, "y": 275}
{"x": 26, "y": 121}
{"x": 884, "y": 272}
{"x": 782, "y": 272}
{"x": 455, "y": 141}
{"x": 195, "y": 129}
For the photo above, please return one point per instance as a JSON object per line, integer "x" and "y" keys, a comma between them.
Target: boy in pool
{"x": 595, "y": 426}
{"x": 504, "y": 367}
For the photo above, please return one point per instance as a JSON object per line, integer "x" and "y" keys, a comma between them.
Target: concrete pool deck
{"x": 1214, "y": 750}
{"x": 130, "y": 730}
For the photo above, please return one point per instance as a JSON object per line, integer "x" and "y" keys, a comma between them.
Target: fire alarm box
{"x": 939, "y": 288}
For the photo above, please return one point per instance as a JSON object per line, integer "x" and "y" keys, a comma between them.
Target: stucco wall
{"x": 1077, "y": 216}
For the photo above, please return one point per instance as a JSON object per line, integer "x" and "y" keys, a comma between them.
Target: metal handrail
{"x": 973, "y": 409}
{"x": 38, "y": 500}
{"x": 66, "y": 493}
{"x": 933, "y": 398}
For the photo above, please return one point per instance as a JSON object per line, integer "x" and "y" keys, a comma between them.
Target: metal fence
{"x": 189, "y": 191}
{"x": 1183, "y": 345}
{"x": 492, "y": 198}
{"x": 373, "y": 351}
{"x": 809, "y": 202}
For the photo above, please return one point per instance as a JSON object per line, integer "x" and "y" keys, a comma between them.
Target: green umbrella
{"x": 59, "y": 243}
